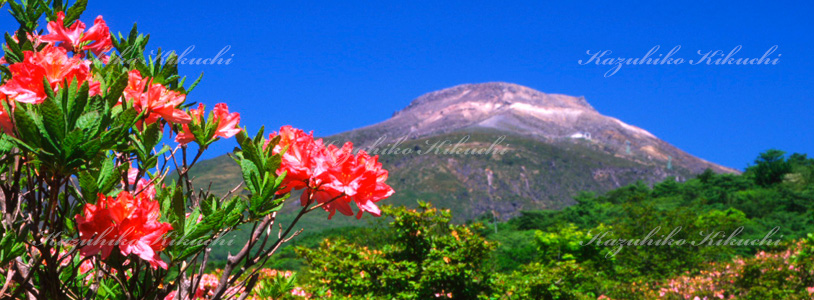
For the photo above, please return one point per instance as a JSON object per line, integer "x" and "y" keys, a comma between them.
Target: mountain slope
{"x": 543, "y": 149}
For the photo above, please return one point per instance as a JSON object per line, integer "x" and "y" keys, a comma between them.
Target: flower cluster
{"x": 65, "y": 259}
{"x": 736, "y": 279}
{"x": 51, "y": 65}
{"x": 129, "y": 223}
{"x": 154, "y": 100}
{"x": 205, "y": 288}
{"x": 271, "y": 280}
{"x": 331, "y": 176}
{"x": 74, "y": 38}
{"x": 225, "y": 123}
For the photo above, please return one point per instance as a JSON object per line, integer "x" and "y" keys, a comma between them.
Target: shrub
{"x": 97, "y": 206}
{"x": 425, "y": 257}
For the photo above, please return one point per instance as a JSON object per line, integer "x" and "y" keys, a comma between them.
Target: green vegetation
{"x": 548, "y": 254}
{"x": 422, "y": 256}
{"x": 531, "y": 175}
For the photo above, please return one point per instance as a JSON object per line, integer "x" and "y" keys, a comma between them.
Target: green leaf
{"x": 178, "y": 209}
{"x": 209, "y": 206}
{"x": 11, "y": 57}
{"x": 125, "y": 119}
{"x": 152, "y": 135}
{"x": 235, "y": 214}
{"x": 74, "y": 107}
{"x": 89, "y": 186}
{"x": 89, "y": 121}
{"x": 53, "y": 119}
{"x": 58, "y": 5}
{"x": 13, "y": 46}
{"x": 75, "y": 11}
{"x": 72, "y": 143}
{"x": 250, "y": 175}
{"x": 10, "y": 247}
{"x": 195, "y": 84}
{"x": 6, "y": 144}
{"x": 164, "y": 197}
{"x": 26, "y": 128}
{"x": 109, "y": 176}
{"x": 49, "y": 92}
{"x": 190, "y": 250}
{"x": 200, "y": 229}
{"x": 117, "y": 88}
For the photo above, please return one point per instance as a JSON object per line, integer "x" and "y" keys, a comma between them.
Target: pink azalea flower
{"x": 143, "y": 186}
{"x": 130, "y": 221}
{"x": 299, "y": 292}
{"x": 227, "y": 123}
{"x": 332, "y": 176}
{"x": 74, "y": 38}
{"x": 299, "y": 160}
{"x": 155, "y": 100}
{"x": 6, "y": 125}
{"x": 51, "y": 63}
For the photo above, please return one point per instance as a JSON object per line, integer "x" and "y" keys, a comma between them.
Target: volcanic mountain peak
{"x": 494, "y": 96}
{"x": 519, "y": 110}
{"x": 504, "y": 106}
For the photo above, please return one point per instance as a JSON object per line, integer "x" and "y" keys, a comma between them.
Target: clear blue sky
{"x": 339, "y": 65}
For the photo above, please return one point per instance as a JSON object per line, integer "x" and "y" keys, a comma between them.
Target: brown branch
{"x": 231, "y": 191}
{"x": 23, "y": 275}
{"x": 9, "y": 275}
{"x": 233, "y": 260}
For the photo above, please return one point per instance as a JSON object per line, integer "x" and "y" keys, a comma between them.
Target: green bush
{"x": 424, "y": 257}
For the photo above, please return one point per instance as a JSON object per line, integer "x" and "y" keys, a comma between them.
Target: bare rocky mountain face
{"x": 523, "y": 111}
{"x": 544, "y": 149}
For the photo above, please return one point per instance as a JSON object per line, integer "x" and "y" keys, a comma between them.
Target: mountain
{"x": 499, "y": 148}
{"x": 522, "y": 111}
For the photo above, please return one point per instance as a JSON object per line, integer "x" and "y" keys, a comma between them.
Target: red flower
{"x": 226, "y": 122}
{"x": 155, "y": 100}
{"x": 185, "y": 136}
{"x": 143, "y": 185}
{"x": 299, "y": 160}
{"x": 51, "y": 63}
{"x": 74, "y": 38}
{"x": 359, "y": 178}
{"x": 131, "y": 223}
{"x": 86, "y": 266}
{"x": 373, "y": 187}
{"x": 331, "y": 176}
{"x": 207, "y": 286}
{"x": 5, "y": 118}
{"x": 336, "y": 178}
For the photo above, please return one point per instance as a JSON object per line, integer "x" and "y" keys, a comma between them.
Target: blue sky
{"x": 340, "y": 65}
